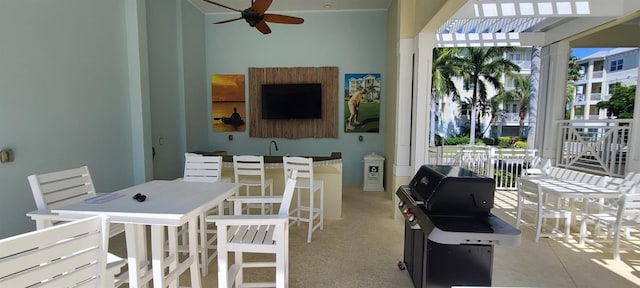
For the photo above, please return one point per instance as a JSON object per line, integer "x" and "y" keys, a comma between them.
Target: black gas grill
{"x": 449, "y": 230}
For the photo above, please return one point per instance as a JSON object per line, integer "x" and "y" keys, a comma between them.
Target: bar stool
{"x": 306, "y": 181}
{"x": 248, "y": 171}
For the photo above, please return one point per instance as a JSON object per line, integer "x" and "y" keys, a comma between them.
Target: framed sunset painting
{"x": 228, "y": 113}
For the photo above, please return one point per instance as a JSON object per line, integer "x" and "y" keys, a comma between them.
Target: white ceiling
{"x": 294, "y": 5}
{"x": 495, "y": 22}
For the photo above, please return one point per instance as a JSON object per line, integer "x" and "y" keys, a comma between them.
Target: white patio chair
{"x": 72, "y": 254}
{"x": 306, "y": 181}
{"x": 255, "y": 234}
{"x": 249, "y": 171}
{"x": 531, "y": 201}
{"x": 199, "y": 168}
{"x": 61, "y": 188}
{"x": 616, "y": 222}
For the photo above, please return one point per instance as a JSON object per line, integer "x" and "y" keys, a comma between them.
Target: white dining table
{"x": 168, "y": 204}
{"x": 571, "y": 190}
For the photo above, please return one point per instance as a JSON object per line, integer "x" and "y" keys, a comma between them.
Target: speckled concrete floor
{"x": 363, "y": 248}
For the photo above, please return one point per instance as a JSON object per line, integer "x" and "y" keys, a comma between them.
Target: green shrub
{"x": 508, "y": 142}
{"x": 489, "y": 141}
{"x": 520, "y": 144}
{"x": 504, "y": 142}
{"x": 460, "y": 140}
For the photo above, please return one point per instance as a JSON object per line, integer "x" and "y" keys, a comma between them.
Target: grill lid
{"x": 452, "y": 190}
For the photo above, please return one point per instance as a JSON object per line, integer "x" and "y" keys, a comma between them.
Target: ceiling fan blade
{"x": 261, "y": 5}
{"x": 263, "y": 27}
{"x": 282, "y": 19}
{"x": 223, "y": 6}
{"x": 227, "y": 21}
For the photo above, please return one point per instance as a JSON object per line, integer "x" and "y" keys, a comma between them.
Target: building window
{"x": 616, "y": 65}
{"x": 514, "y": 56}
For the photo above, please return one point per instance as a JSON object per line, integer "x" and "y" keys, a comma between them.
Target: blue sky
{"x": 582, "y": 52}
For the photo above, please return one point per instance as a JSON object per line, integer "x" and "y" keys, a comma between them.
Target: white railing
{"x": 594, "y": 146}
{"x": 503, "y": 164}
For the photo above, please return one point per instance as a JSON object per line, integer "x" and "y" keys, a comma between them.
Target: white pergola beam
{"x": 540, "y": 8}
{"x": 489, "y": 39}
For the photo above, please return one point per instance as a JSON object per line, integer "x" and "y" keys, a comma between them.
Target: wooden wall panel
{"x": 327, "y": 127}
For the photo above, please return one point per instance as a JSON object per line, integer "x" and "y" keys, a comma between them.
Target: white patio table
{"x": 571, "y": 190}
{"x": 168, "y": 204}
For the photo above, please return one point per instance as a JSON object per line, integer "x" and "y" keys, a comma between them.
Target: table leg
{"x": 157, "y": 255}
{"x": 196, "y": 282}
{"x": 174, "y": 254}
{"x": 136, "y": 254}
{"x": 204, "y": 256}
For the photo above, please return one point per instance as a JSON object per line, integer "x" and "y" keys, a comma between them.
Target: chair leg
{"x": 281, "y": 269}
{"x": 539, "y": 224}
{"x": 239, "y": 262}
{"x": 616, "y": 243}
{"x": 204, "y": 254}
{"x": 299, "y": 204}
{"x": 311, "y": 214}
{"x": 567, "y": 228}
{"x": 518, "y": 215}
{"x": 583, "y": 230}
{"x": 223, "y": 258}
{"x": 322, "y": 207}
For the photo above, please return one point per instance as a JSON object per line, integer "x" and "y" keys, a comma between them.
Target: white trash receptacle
{"x": 373, "y": 172}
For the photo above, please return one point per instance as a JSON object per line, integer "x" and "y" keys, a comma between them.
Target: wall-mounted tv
{"x": 292, "y": 101}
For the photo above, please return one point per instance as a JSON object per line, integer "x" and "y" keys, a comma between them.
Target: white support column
{"x": 551, "y": 105}
{"x": 139, "y": 90}
{"x": 633, "y": 156}
{"x": 402, "y": 165}
{"x": 421, "y": 99}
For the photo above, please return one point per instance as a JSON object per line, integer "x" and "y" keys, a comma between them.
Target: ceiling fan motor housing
{"x": 252, "y": 16}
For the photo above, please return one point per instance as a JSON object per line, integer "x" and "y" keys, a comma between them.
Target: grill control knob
{"x": 405, "y": 210}
{"x": 401, "y": 203}
{"x": 411, "y": 217}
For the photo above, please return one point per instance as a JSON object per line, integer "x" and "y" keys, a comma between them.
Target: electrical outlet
{"x": 5, "y": 155}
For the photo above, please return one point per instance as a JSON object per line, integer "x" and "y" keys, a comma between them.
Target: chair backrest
{"x": 198, "y": 168}
{"x": 57, "y": 189}
{"x": 72, "y": 254}
{"x": 529, "y": 194}
{"x": 303, "y": 165}
{"x": 287, "y": 195}
{"x": 629, "y": 210}
{"x": 248, "y": 167}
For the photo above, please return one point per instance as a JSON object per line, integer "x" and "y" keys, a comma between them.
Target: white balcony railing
{"x": 595, "y": 146}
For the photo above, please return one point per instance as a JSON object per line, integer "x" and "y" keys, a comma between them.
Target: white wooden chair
{"x": 306, "y": 181}
{"x": 72, "y": 254}
{"x": 199, "y": 168}
{"x": 255, "y": 234}
{"x": 249, "y": 171}
{"x": 615, "y": 222}
{"x": 61, "y": 188}
{"x": 531, "y": 201}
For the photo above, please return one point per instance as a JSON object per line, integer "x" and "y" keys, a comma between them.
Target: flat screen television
{"x": 292, "y": 101}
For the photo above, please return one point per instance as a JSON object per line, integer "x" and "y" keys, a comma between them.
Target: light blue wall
{"x": 64, "y": 97}
{"x": 177, "y": 83}
{"x": 195, "y": 85}
{"x": 167, "y": 107}
{"x": 354, "y": 41}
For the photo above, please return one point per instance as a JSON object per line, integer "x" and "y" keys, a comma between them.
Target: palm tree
{"x": 493, "y": 108}
{"x": 444, "y": 70}
{"x": 520, "y": 94}
{"x": 573, "y": 74}
{"x": 482, "y": 67}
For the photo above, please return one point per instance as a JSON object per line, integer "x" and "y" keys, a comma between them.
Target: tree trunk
{"x": 533, "y": 95}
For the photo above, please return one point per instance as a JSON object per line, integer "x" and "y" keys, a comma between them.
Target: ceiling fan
{"x": 256, "y": 17}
